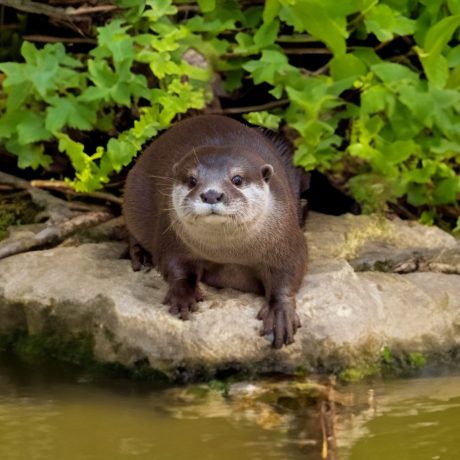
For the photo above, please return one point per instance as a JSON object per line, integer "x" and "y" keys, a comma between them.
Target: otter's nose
{"x": 212, "y": 196}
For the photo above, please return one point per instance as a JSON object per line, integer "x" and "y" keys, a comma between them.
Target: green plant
{"x": 52, "y": 91}
{"x": 379, "y": 111}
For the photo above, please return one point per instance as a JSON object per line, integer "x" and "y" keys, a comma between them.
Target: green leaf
{"x": 9, "y": 122}
{"x": 29, "y": 156}
{"x": 269, "y": 67}
{"x": 113, "y": 38}
{"x": 207, "y": 5}
{"x": 120, "y": 153}
{"x": 399, "y": 151}
{"x": 417, "y": 195}
{"x": 346, "y": 66}
{"x": 252, "y": 17}
{"x": 158, "y": 9}
{"x": 453, "y": 56}
{"x": 385, "y": 22}
{"x": 314, "y": 17}
{"x": 454, "y": 6}
{"x": 422, "y": 174}
{"x": 265, "y": 119}
{"x": 233, "y": 80}
{"x": 32, "y": 129}
{"x": 434, "y": 63}
{"x": 69, "y": 111}
{"x": 101, "y": 73}
{"x": 271, "y": 10}
{"x": 75, "y": 150}
{"x": 266, "y": 34}
{"x": 375, "y": 99}
{"x": 221, "y": 19}
{"x": 427, "y": 217}
{"x": 45, "y": 68}
{"x": 420, "y": 103}
{"x": 16, "y": 74}
{"x": 390, "y": 72}
{"x": 245, "y": 44}
{"x": 447, "y": 190}
{"x": 367, "y": 55}
{"x": 121, "y": 94}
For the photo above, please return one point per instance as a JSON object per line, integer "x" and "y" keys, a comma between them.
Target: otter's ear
{"x": 267, "y": 172}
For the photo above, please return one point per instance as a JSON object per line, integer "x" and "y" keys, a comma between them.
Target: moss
{"x": 403, "y": 363}
{"x": 7, "y": 340}
{"x": 390, "y": 364}
{"x": 417, "y": 360}
{"x": 139, "y": 372}
{"x": 355, "y": 374}
{"x": 16, "y": 209}
{"x": 376, "y": 228}
{"x": 77, "y": 349}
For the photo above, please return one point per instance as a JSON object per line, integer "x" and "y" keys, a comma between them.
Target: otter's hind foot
{"x": 140, "y": 258}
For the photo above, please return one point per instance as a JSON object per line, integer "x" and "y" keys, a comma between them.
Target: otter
{"x": 212, "y": 200}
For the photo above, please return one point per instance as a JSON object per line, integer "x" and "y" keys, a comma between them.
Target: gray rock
{"x": 348, "y": 317}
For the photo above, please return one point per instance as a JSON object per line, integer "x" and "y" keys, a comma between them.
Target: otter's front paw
{"x": 280, "y": 320}
{"x": 183, "y": 302}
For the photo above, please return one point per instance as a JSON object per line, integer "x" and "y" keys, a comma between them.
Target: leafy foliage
{"x": 53, "y": 91}
{"x": 381, "y": 112}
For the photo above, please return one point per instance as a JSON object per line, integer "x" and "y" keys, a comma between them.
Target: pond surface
{"x": 60, "y": 413}
{"x": 414, "y": 419}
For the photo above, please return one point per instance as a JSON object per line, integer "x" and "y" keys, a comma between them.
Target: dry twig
{"x": 57, "y": 210}
{"x": 67, "y": 14}
{"x": 64, "y": 187}
{"x": 36, "y": 8}
{"x": 49, "y": 39}
{"x": 252, "y": 108}
{"x": 52, "y": 234}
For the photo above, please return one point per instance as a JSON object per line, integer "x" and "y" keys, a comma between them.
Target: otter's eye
{"x": 191, "y": 181}
{"x": 237, "y": 180}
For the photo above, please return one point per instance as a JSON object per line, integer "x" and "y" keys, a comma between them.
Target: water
{"x": 415, "y": 419}
{"x": 60, "y": 413}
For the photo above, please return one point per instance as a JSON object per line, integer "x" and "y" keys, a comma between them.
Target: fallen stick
{"x": 64, "y": 187}
{"x": 36, "y": 8}
{"x": 52, "y": 234}
{"x": 65, "y": 14}
{"x": 57, "y": 209}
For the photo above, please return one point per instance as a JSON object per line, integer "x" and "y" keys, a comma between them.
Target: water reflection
{"x": 61, "y": 415}
{"x": 416, "y": 419}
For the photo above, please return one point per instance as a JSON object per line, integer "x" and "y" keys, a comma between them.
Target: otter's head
{"x": 221, "y": 187}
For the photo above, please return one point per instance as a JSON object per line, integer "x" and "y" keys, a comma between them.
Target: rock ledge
{"x": 348, "y": 316}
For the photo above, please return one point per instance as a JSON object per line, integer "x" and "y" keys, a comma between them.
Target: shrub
{"x": 367, "y": 88}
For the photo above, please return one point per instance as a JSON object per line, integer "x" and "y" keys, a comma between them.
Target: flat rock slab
{"x": 348, "y": 316}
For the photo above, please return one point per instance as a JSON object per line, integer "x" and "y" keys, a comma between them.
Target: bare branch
{"x": 48, "y": 39}
{"x": 36, "y": 8}
{"x": 252, "y": 108}
{"x": 52, "y": 234}
{"x": 64, "y": 187}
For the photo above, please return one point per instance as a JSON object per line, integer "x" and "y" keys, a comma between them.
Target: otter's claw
{"x": 183, "y": 304}
{"x": 282, "y": 322}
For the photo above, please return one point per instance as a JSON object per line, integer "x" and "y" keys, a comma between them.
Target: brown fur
{"x": 272, "y": 262}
